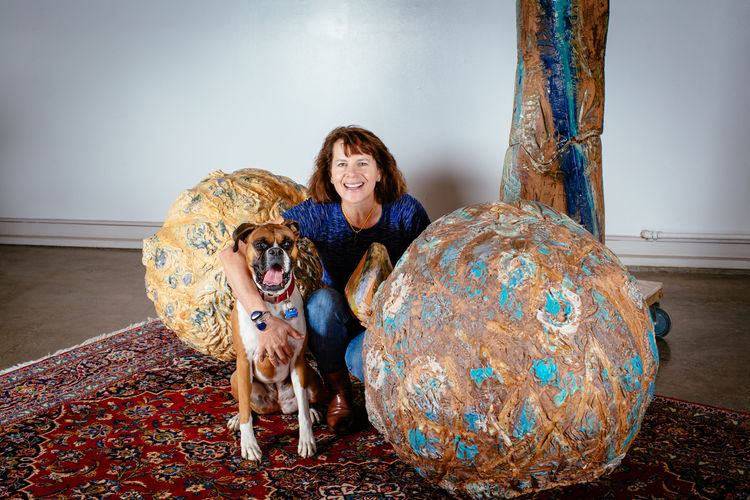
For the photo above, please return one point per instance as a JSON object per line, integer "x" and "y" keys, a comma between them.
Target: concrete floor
{"x": 53, "y": 297}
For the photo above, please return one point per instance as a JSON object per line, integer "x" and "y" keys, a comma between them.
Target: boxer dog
{"x": 257, "y": 384}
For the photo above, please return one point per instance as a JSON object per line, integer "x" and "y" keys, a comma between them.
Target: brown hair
{"x": 359, "y": 141}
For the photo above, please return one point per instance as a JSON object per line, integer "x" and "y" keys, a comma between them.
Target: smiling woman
{"x": 357, "y": 199}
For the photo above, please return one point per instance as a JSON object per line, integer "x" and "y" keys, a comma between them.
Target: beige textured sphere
{"x": 184, "y": 277}
{"x": 509, "y": 352}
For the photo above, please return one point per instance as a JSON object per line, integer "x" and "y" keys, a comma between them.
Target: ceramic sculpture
{"x": 371, "y": 271}
{"x": 509, "y": 351}
{"x": 184, "y": 277}
{"x": 558, "y": 113}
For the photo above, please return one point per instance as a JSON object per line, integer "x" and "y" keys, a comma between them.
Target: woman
{"x": 357, "y": 197}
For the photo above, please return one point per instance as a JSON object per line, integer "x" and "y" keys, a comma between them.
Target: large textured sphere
{"x": 184, "y": 277}
{"x": 509, "y": 352}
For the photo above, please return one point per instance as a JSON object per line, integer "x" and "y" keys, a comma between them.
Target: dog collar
{"x": 283, "y": 296}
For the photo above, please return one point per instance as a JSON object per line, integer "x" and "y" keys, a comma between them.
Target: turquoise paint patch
{"x": 395, "y": 322}
{"x": 503, "y": 295}
{"x": 546, "y": 371}
{"x": 567, "y": 387}
{"x": 515, "y": 279}
{"x": 557, "y": 303}
{"x": 652, "y": 341}
{"x": 631, "y": 379}
{"x": 478, "y": 269}
{"x": 450, "y": 254}
{"x": 552, "y": 306}
{"x": 400, "y": 369}
{"x": 526, "y": 422}
{"x": 602, "y": 312}
{"x": 465, "y": 451}
{"x": 387, "y": 367}
{"x": 479, "y": 375}
{"x": 472, "y": 421}
{"x": 421, "y": 444}
{"x": 450, "y": 283}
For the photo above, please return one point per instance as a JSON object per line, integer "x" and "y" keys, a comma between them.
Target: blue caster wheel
{"x": 662, "y": 322}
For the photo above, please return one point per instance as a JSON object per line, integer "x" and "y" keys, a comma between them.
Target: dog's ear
{"x": 293, "y": 225}
{"x": 241, "y": 233}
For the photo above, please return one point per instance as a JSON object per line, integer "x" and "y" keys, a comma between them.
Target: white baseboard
{"x": 76, "y": 233}
{"x": 696, "y": 251}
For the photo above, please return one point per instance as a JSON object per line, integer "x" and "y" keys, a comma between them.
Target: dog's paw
{"x": 233, "y": 424}
{"x": 306, "y": 447}
{"x": 315, "y": 416}
{"x": 248, "y": 445}
{"x": 251, "y": 451}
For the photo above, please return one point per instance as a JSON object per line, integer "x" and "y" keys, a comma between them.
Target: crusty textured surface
{"x": 509, "y": 351}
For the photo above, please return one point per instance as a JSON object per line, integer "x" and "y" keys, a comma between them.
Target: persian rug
{"x": 139, "y": 414}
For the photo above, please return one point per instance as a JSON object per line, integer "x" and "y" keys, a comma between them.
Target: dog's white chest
{"x": 250, "y": 335}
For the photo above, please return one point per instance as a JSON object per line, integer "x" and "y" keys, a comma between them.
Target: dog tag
{"x": 289, "y": 311}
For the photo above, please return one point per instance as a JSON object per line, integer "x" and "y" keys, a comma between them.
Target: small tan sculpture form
{"x": 184, "y": 277}
{"x": 509, "y": 351}
{"x": 371, "y": 271}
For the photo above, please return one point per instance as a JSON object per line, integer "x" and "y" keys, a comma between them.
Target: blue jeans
{"x": 335, "y": 335}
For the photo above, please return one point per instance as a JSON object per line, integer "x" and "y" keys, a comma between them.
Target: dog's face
{"x": 271, "y": 253}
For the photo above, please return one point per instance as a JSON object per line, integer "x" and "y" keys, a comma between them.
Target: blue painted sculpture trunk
{"x": 555, "y": 147}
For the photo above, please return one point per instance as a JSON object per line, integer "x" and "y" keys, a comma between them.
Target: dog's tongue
{"x": 273, "y": 276}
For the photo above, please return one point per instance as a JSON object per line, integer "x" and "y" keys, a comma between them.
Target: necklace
{"x": 356, "y": 232}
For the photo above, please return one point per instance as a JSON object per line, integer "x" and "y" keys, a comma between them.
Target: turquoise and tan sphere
{"x": 184, "y": 277}
{"x": 509, "y": 352}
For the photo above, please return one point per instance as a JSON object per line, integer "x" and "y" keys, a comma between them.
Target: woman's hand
{"x": 273, "y": 340}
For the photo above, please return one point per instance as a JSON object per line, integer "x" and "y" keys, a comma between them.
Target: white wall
{"x": 108, "y": 109}
{"x": 677, "y": 117}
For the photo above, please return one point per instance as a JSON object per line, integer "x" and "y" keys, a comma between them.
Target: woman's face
{"x": 354, "y": 177}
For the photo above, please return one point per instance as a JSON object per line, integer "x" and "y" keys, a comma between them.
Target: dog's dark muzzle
{"x": 274, "y": 257}
{"x": 270, "y": 270}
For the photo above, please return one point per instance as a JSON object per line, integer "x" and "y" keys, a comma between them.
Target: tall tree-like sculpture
{"x": 555, "y": 145}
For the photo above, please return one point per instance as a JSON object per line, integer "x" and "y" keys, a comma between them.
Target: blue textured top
{"x": 341, "y": 250}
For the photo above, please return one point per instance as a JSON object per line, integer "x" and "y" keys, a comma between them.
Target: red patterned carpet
{"x": 140, "y": 415}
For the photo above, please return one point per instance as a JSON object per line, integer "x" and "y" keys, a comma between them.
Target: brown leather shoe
{"x": 340, "y": 414}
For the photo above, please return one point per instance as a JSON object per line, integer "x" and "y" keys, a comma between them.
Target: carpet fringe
{"x": 84, "y": 343}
